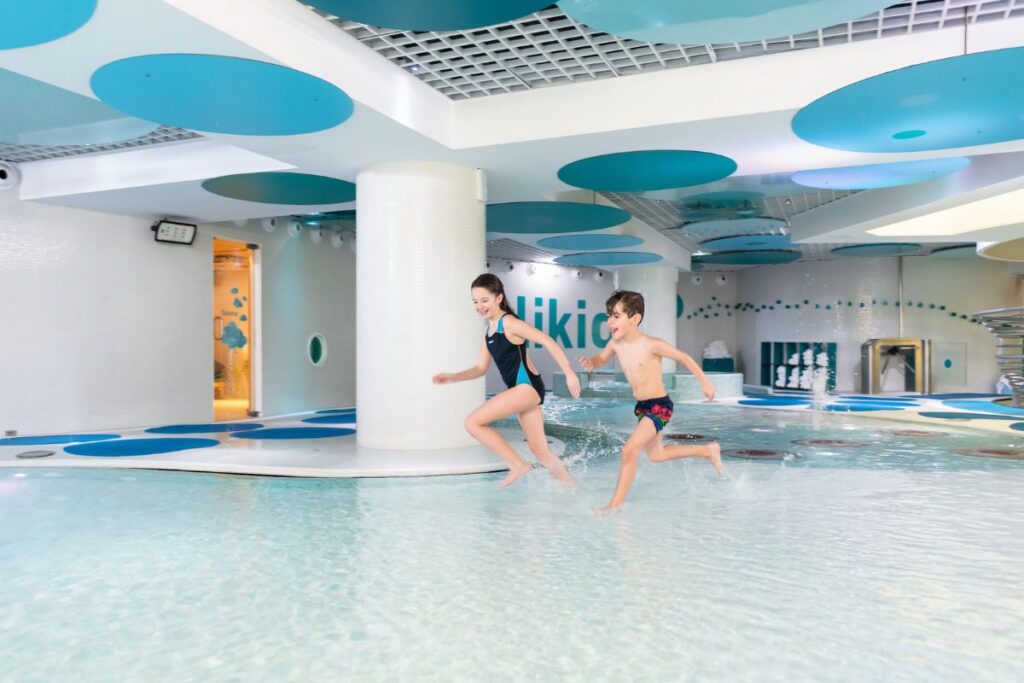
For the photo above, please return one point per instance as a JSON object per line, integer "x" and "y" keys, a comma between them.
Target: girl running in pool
{"x": 505, "y": 341}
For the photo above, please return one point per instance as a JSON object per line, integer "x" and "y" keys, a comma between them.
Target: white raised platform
{"x": 333, "y": 457}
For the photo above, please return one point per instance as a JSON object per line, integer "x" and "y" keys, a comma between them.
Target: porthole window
{"x": 317, "y": 349}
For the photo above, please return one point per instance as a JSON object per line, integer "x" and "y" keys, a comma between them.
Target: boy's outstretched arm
{"x": 594, "y": 362}
{"x": 666, "y": 350}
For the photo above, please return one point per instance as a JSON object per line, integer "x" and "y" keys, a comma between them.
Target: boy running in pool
{"x": 640, "y": 358}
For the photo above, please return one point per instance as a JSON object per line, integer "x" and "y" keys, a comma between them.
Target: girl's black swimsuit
{"x": 511, "y": 360}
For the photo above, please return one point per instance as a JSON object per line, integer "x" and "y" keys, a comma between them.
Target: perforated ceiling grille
{"x": 20, "y": 154}
{"x": 516, "y": 251}
{"x": 549, "y": 48}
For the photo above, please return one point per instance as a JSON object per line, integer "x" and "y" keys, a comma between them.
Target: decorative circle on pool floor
{"x": 757, "y": 454}
{"x": 220, "y": 94}
{"x": 210, "y": 428}
{"x": 294, "y": 433}
{"x": 1002, "y": 453}
{"x": 56, "y": 439}
{"x": 917, "y": 433}
{"x": 337, "y": 419}
{"x": 941, "y": 415}
{"x": 31, "y": 455}
{"x": 838, "y": 443}
{"x": 131, "y": 447}
{"x": 689, "y": 437}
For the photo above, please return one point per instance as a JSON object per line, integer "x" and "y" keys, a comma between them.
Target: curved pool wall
{"x": 681, "y": 386}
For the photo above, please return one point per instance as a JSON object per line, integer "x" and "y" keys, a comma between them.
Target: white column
{"x": 421, "y": 243}
{"x": 658, "y": 284}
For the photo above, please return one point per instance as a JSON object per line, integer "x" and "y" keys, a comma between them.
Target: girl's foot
{"x": 715, "y": 456}
{"x": 514, "y": 473}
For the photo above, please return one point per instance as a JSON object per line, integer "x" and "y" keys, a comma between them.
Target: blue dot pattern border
{"x": 56, "y": 439}
{"x": 135, "y": 447}
{"x": 294, "y": 433}
{"x": 34, "y": 22}
{"x": 219, "y": 94}
{"x": 944, "y": 104}
{"x": 435, "y": 15}
{"x": 646, "y": 170}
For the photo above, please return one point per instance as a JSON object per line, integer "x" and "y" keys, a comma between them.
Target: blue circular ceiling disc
{"x": 24, "y": 23}
{"x": 749, "y": 258}
{"x": 220, "y": 94}
{"x": 880, "y": 249}
{"x": 591, "y": 242}
{"x": 552, "y": 217}
{"x": 693, "y": 22}
{"x": 746, "y": 242}
{"x": 279, "y": 187}
{"x": 876, "y": 176}
{"x": 733, "y": 226}
{"x": 944, "y": 104}
{"x": 646, "y": 170}
{"x": 432, "y": 15}
{"x": 609, "y": 258}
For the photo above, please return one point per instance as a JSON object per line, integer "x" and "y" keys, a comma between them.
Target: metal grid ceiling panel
{"x": 20, "y": 154}
{"x": 549, "y": 48}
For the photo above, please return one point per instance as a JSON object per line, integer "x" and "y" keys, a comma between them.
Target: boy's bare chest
{"x": 637, "y": 363}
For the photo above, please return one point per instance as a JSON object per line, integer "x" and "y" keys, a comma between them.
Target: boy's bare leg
{"x": 658, "y": 452}
{"x": 641, "y": 436}
{"x": 532, "y": 422}
{"x": 507, "y": 403}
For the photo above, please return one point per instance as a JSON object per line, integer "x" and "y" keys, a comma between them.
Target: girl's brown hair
{"x": 493, "y": 285}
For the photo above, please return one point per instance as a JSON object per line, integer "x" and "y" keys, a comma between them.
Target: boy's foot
{"x": 513, "y": 474}
{"x": 715, "y": 456}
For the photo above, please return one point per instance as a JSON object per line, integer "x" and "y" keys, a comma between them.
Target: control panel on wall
{"x": 172, "y": 232}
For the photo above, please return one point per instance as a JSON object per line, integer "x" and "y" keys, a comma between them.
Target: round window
{"x": 317, "y": 349}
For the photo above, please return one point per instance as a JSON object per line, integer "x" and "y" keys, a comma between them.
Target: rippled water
{"x": 895, "y": 560}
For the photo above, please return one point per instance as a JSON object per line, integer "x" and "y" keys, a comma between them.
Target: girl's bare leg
{"x": 509, "y": 402}
{"x": 532, "y": 422}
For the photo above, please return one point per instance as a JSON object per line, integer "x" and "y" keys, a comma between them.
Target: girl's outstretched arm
{"x": 478, "y": 370}
{"x": 521, "y": 329}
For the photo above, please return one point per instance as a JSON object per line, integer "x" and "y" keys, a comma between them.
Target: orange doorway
{"x": 233, "y": 329}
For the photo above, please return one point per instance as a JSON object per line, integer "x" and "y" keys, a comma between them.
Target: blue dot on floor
{"x": 56, "y": 439}
{"x": 208, "y": 428}
{"x": 338, "y": 419}
{"x": 294, "y": 433}
{"x": 130, "y": 447}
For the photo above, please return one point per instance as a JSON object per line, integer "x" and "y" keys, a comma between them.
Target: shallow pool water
{"x": 891, "y": 559}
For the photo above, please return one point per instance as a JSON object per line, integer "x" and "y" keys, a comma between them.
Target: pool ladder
{"x": 1007, "y": 324}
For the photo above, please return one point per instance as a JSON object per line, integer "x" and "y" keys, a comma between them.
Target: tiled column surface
{"x": 421, "y": 242}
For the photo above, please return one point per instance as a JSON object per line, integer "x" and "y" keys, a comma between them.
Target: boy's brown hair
{"x": 632, "y": 303}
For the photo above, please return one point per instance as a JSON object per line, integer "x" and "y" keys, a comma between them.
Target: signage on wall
{"x": 172, "y": 232}
{"x": 561, "y": 327}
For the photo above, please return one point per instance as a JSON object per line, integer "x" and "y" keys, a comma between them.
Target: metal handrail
{"x": 1007, "y": 324}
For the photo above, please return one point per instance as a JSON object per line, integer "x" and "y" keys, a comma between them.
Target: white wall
{"x": 102, "y": 328}
{"x": 707, "y": 299}
{"x": 306, "y": 289}
{"x": 559, "y": 295}
{"x": 961, "y": 285}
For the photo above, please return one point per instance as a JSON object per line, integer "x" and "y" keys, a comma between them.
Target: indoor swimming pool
{"x": 870, "y": 551}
